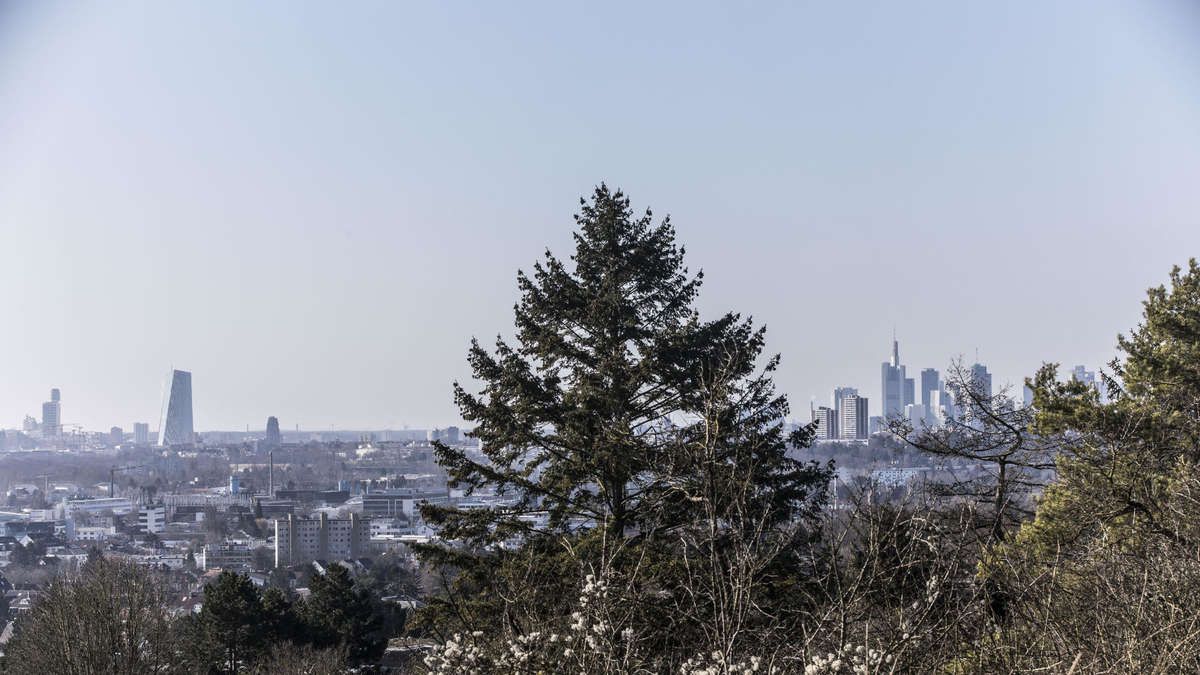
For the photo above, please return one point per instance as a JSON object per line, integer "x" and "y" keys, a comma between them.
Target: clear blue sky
{"x": 313, "y": 207}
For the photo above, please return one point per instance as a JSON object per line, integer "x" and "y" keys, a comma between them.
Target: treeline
{"x": 114, "y": 617}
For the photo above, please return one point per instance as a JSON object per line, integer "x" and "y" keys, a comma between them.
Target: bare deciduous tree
{"x": 111, "y": 617}
{"x": 1001, "y": 460}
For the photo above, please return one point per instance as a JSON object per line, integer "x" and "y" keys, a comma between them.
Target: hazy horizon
{"x": 313, "y": 210}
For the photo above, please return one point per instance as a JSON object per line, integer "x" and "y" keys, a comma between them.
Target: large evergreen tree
{"x": 617, "y": 414}
{"x": 338, "y": 613}
{"x": 581, "y": 417}
{"x": 228, "y": 633}
{"x": 1121, "y": 456}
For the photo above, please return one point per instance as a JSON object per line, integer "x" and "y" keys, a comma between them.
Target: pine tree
{"x": 1121, "y": 458}
{"x": 228, "y": 630}
{"x": 337, "y": 612}
{"x": 581, "y": 417}
{"x": 619, "y": 415}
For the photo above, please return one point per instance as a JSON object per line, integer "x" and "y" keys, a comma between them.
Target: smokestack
{"x": 271, "y": 474}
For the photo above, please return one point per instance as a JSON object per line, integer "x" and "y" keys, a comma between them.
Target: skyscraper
{"x": 52, "y": 414}
{"x": 827, "y": 427}
{"x": 854, "y": 421}
{"x": 931, "y": 382}
{"x": 981, "y": 380}
{"x": 917, "y": 415}
{"x": 273, "y": 438}
{"x": 897, "y": 390}
{"x": 141, "y": 433}
{"x": 175, "y": 426}
{"x": 116, "y": 435}
{"x": 1090, "y": 378}
{"x": 840, "y": 393}
{"x": 941, "y": 407}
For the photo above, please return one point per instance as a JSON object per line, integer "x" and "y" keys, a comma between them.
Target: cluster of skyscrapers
{"x": 51, "y": 426}
{"x": 175, "y": 424}
{"x": 847, "y": 417}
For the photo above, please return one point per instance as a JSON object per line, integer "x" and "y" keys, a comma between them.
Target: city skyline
{"x": 976, "y": 180}
{"x": 179, "y": 386}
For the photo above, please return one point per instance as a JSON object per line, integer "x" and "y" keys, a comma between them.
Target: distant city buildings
{"x": 941, "y": 407}
{"x": 273, "y": 438}
{"x": 116, "y": 435}
{"x": 840, "y": 393}
{"x": 152, "y": 519}
{"x": 141, "y": 433}
{"x": 916, "y": 416}
{"x": 175, "y": 427}
{"x": 931, "y": 383}
{"x": 399, "y": 502}
{"x": 897, "y": 389}
{"x": 302, "y": 540}
{"x": 854, "y": 423}
{"x": 52, "y": 415}
{"x": 1088, "y": 377}
{"x": 827, "y": 427}
{"x": 449, "y": 435}
{"x": 925, "y": 403}
{"x": 981, "y": 380}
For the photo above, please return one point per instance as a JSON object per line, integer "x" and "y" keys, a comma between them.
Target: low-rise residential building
{"x": 227, "y": 555}
{"x": 92, "y": 533}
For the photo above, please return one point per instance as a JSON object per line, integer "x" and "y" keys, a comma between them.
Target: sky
{"x": 314, "y": 206}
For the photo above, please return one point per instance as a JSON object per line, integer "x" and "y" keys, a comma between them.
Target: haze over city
{"x": 313, "y": 210}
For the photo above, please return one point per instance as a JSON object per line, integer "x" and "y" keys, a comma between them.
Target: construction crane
{"x": 112, "y": 475}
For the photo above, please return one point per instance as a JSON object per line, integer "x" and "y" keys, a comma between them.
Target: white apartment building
{"x": 152, "y": 519}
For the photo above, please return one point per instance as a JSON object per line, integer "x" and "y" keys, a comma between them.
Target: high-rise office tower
{"x": 827, "y": 426}
{"x": 981, "y": 380}
{"x": 941, "y": 407}
{"x": 273, "y": 436}
{"x": 175, "y": 425}
{"x": 854, "y": 421}
{"x": 897, "y": 390}
{"x": 917, "y": 416}
{"x": 840, "y": 393}
{"x": 1082, "y": 374}
{"x": 141, "y": 433}
{"x": 116, "y": 435}
{"x": 52, "y": 414}
{"x": 931, "y": 381}
{"x": 1089, "y": 377}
